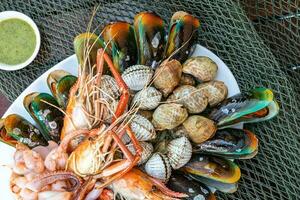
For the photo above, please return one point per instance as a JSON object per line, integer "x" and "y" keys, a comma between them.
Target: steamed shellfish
{"x": 142, "y": 128}
{"x": 137, "y": 76}
{"x": 146, "y": 153}
{"x": 179, "y": 152}
{"x": 147, "y": 99}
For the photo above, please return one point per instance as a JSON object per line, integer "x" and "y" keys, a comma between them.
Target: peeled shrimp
{"x": 33, "y": 161}
{"x": 27, "y": 194}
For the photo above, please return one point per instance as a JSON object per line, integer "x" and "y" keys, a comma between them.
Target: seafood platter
{"x": 142, "y": 115}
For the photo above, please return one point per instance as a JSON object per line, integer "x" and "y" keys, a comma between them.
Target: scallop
{"x": 215, "y": 91}
{"x": 146, "y": 153}
{"x": 167, "y": 76}
{"x": 179, "y": 152}
{"x": 190, "y": 98}
{"x": 109, "y": 88}
{"x": 142, "y": 128}
{"x": 199, "y": 128}
{"x": 147, "y": 99}
{"x": 201, "y": 67}
{"x": 158, "y": 166}
{"x": 169, "y": 116}
{"x": 137, "y": 76}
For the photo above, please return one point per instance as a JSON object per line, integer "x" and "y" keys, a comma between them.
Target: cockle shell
{"x": 169, "y": 116}
{"x": 201, "y": 67}
{"x": 137, "y": 76}
{"x": 158, "y": 166}
{"x": 146, "y": 153}
{"x": 147, "y": 99}
{"x": 110, "y": 109}
{"x": 199, "y": 128}
{"x": 190, "y": 98}
{"x": 179, "y": 152}
{"x": 167, "y": 76}
{"x": 142, "y": 128}
{"x": 215, "y": 91}
{"x": 109, "y": 88}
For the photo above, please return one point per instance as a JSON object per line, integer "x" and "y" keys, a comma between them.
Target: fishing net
{"x": 259, "y": 41}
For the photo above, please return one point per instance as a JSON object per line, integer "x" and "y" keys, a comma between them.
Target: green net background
{"x": 259, "y": 41}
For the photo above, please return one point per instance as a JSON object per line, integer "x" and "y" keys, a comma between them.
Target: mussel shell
{"x": 16, "y": 128}
{"x": 192, "y": 99}
{"x": 230, "y": 143}
{"x": 158, "y": 166}
{"x": 181, "y": 36}
{"x": 147, "y": 99}
{"x": 119, "y": 36}
{"x": 147, "y": 150}
{"x": 201, "y": 67}
{"x": 169, "y": 116}
{"x": 215, "y": 91}
{"x": 253, "y": 106}
{"x": 43, "y": 108}
{"x": 150, "y": 36}
{"x": 60, "y": 82}
{"x": 195, "y": 190}
{"x": 137, "y": 77}
{"x": 179, "y": 152}
{"x": 142, "y": 128}
{"x": 215, "y": 168}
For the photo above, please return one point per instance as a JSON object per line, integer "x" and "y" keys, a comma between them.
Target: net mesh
{"x": 259, "y": 41}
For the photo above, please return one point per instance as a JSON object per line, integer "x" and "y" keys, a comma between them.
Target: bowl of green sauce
{"x": 19, "y": 40}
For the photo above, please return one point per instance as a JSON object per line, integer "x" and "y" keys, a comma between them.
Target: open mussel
{"x": 230, "y": 143}
{"x": 15, "y": 128}
{"x": 214, "y": 168}
{"x": 120, "y": 38}
{"x": 195, "y": 190}
{"x": 181, "y": 36}
{"x": 60, "y": 82}
{"x": 43, "y": 108}
{"x": 253, "y": 106}
{"x": 150, "y": 36}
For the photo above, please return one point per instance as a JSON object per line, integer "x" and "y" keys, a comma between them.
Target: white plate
{"x": 70, "y": 65}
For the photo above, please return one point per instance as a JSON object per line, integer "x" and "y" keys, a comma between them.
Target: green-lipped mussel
{"x": 120, "y": 39}
{"x": 181, "y": 37}
{"x": 15, "y": 128}
{"x": 214, "y": 168}
{"x": 195, "y": 190}
{"x": 60, "y": 83}
{"x": 43, "y": 108}
{"x": 150, "y": 36}
{"x": 230, "y": 143}
{"x": 253, "y": 106}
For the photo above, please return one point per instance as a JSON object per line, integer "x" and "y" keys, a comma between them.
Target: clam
{"x": 109, "y": 88}
{"x": 201, "y": 67}
{"x": 150, "y": 36}
{"x": 214, "y": 168}
{"x": 179, "y": 152}
{"x": 181, "y": 37}
{"x": 43, "y": 108}
{"x": 15, "y": 128}
{"x": 146, "y": 113}
{"x": 199, "y": 128}
{"x": 215, "y": 91}
{"x": 158, "y": 166}
{"x": 167, "y": 76}
{"x": 195, "y": 190}
{"x": 142, "y": 128}
{"x": 147, "y": 99}
{"x": 169, "y": 116}
{"x": 192, "y": 99}
{"x": 230, "y": 143}
{"x": 60, "y": 82}
{"x": 119, "y": 36}
{"x": 187, "y": 79}
{"x": 253, "y": 106}
{"x": 137, "y": 76}
{"x": 146, "y": 153}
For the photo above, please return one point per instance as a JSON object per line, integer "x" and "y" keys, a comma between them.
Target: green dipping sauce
{"x": 17, "y": 41}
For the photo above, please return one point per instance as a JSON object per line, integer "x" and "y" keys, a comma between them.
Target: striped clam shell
{"x": 137, "y": 76}
{"x": 142, "y": 128}
{"x": 158, "y": 166}
{"x": 179, "y": 152}
{"x": 146, "y": 153}
{"x": 147, "y": 99}
{"x": 109, "y": 88}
